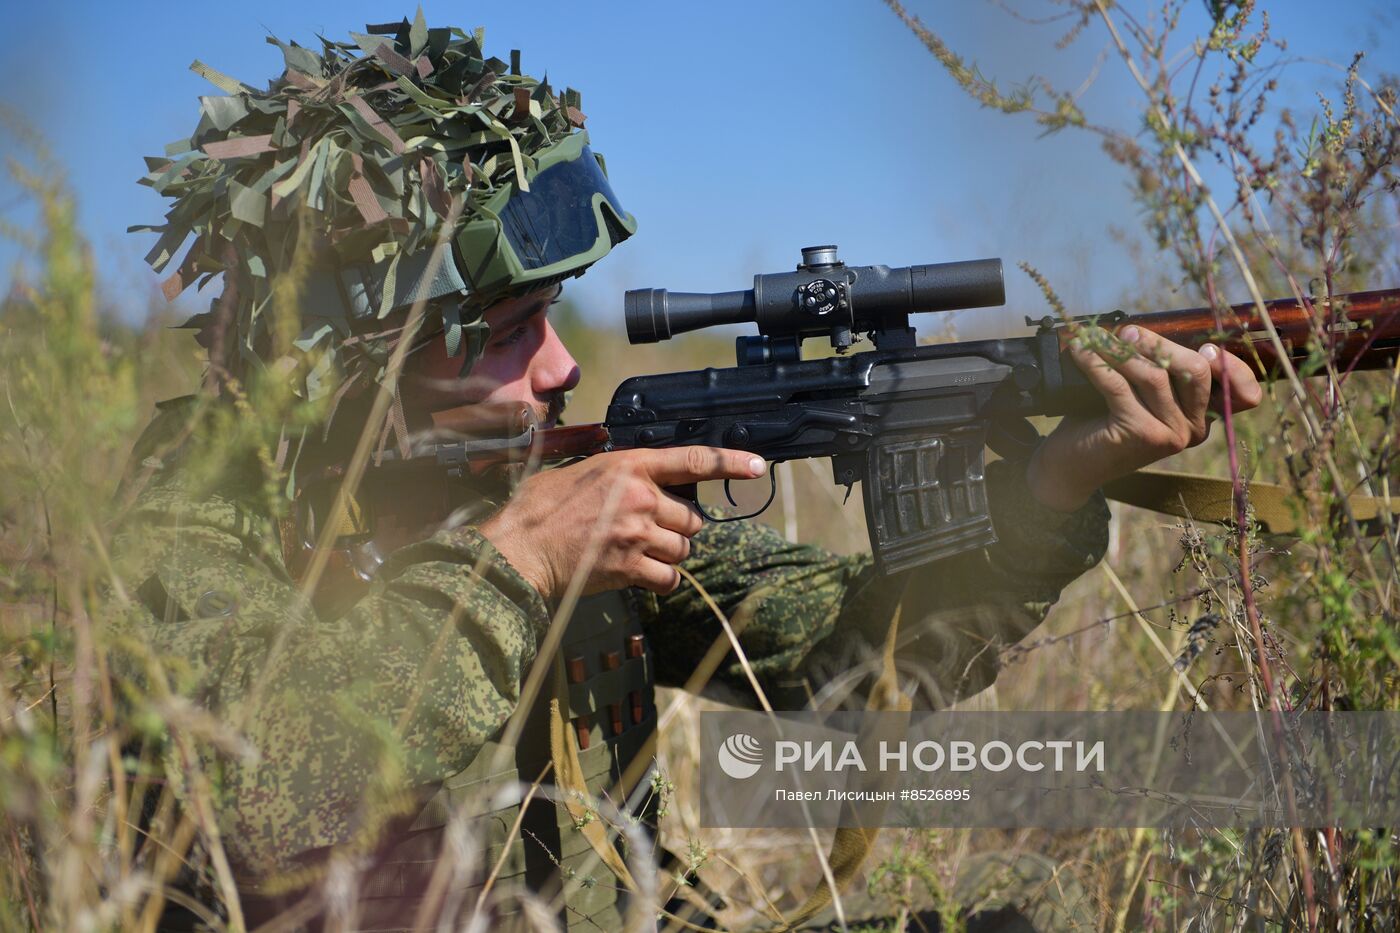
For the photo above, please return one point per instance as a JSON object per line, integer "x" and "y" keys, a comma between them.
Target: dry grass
{"x": 1319, "y": 611}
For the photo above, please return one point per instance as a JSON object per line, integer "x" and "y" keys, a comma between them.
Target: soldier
{"x": 406, "y": 197}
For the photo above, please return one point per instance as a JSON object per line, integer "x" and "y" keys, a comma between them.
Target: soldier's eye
{"x": 514, "y": 336}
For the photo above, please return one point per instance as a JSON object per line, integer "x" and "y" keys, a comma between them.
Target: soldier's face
{"x": 524, "y": 361}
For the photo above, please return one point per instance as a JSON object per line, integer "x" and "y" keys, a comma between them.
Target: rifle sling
{"x": 1210, "y": 498}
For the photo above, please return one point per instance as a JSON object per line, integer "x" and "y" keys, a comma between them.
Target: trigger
{"x": 729, "y": 494}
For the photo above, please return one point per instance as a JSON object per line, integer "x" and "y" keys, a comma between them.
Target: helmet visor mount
{"x": 517, "y": 241}
{"x": 559, "y": 217}
{"x": 568, "y": 219}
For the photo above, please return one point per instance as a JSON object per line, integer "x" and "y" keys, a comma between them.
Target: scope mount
{"x": 826, "y": 300}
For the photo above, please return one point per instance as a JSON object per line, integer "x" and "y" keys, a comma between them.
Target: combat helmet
{"x": 401, "y": 167}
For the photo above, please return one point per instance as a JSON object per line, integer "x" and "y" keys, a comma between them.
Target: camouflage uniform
{"x": 347, "y": 169}
{"x": 431, "y": 660}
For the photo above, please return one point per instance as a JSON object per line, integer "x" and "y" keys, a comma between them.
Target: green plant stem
{"x": 1300, "y": 397}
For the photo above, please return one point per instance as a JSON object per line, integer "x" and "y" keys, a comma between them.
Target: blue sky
{"x": 736, "y": 132}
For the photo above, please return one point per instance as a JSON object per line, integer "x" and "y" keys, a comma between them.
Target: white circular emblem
{"x": 740, "y": 756}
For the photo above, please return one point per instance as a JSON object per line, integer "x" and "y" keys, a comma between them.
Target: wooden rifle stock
{"x": 1363, "y": 333}
{"x": 569, "y": 441}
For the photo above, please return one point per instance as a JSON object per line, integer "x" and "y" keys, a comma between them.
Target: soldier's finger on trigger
{"x": 676, "y": 466}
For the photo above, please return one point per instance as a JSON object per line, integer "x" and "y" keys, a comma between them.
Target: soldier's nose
{"x": 556, "y": 368}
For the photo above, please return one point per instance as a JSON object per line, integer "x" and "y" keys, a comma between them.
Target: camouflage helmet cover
{"x": 341, "y": 176}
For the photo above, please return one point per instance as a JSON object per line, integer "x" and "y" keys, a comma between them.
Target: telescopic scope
{"x": 823, "y": 296}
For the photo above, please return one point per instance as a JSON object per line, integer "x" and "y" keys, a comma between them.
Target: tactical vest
{"x": 611, "y": 712}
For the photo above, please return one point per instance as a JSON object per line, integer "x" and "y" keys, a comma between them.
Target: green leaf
{"x": 391, "y": 283}
{"x": 298, "y": 58}
{"x": 265, "y": 180}
{"x": 315, "y": 194}
{"x": 246, "y": 204}
{"x": 367, "y": 43}
{"x": 220, "y": 80}
{"x": 159, "y": 182}
{"x": 432, "y": 104}
{"x": 293, "y": 181}
{"x": 223, "y": 112}
{"x": 313, "y": 335}
{"x": 166, "y": 247}
{"x": 437, "y": 42}
{"x": 320, "y": 381}
{"x": 417, "y": 34}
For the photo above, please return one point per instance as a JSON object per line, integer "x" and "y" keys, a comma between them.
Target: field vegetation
{"x": 1239, "y": 200}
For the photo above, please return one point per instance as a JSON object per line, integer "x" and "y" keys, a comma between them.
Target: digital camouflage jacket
{"x": 409, "y": 688}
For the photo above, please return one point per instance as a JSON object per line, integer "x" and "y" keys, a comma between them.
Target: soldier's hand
{"x": 610, "y": 518}
{"x": 1154, "y": 411}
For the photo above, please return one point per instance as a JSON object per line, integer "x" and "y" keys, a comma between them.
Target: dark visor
{"x": 554, "y": 220}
